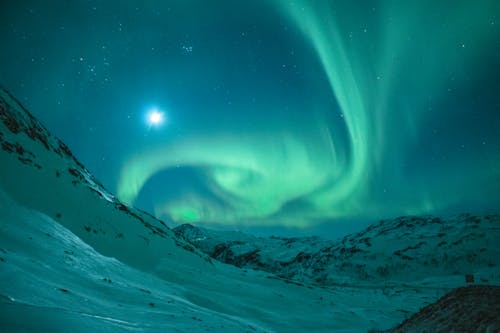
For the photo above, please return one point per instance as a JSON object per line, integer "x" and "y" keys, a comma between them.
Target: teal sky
{"x": 296, "y": 114}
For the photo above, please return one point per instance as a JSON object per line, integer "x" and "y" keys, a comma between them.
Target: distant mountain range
{"x": 403, "y": 250}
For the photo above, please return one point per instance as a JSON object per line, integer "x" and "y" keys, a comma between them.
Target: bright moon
{"x": 155, "y": 117}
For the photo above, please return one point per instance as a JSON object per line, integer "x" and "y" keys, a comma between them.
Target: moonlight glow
{"x": 155, "y": 117}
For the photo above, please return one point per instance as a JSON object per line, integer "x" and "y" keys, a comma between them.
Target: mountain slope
{"x": 52, "y": 281}
{"x": 40, "y": 172}
{"x": 468, "y": 309}
{"x": 403, "y": 250}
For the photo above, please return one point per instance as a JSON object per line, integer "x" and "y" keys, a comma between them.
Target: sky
{"x": 291, "y": 114}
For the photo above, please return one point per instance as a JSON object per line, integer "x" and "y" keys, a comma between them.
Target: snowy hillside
{"x": 52, "y": 281}
{"x": 40, "y": 172}
{"x": 403, "y": 250}
{"x": 74, "y": 258}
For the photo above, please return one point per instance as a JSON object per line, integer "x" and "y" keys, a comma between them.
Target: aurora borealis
{"x": 279, "y": 113}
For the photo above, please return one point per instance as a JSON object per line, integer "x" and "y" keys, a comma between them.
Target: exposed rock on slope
{"x": 468, "y": 309}
{"x": 402, "y": 250}
{"x": 61, "y": 187}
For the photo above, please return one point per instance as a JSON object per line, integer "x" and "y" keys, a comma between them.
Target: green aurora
{"x": 301, "y": 115}
{"x": 390, "y": 81}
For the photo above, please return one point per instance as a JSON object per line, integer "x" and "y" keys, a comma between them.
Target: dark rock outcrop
{"x": 468, "y": 309}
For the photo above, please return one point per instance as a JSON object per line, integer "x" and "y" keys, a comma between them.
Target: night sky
{"x": 269, "y": 113}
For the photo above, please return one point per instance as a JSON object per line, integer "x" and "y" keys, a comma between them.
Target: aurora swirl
{"x": 284, "y": 113}
{"x": 385, "y": 78}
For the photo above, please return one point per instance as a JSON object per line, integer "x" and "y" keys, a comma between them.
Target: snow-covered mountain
{"x": 73, "y": 257}
{"x": 402, "y": 250}
{"x": 40, "y": 172}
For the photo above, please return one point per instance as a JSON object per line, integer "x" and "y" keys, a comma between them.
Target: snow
{"x": 51, "y": 276}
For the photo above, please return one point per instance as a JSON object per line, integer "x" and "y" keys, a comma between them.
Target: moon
{"x": 155, "y": 117}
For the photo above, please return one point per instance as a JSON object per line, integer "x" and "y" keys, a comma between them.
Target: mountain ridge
{"x": 47, "y": 164}
{"x": 390, "y": 251}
